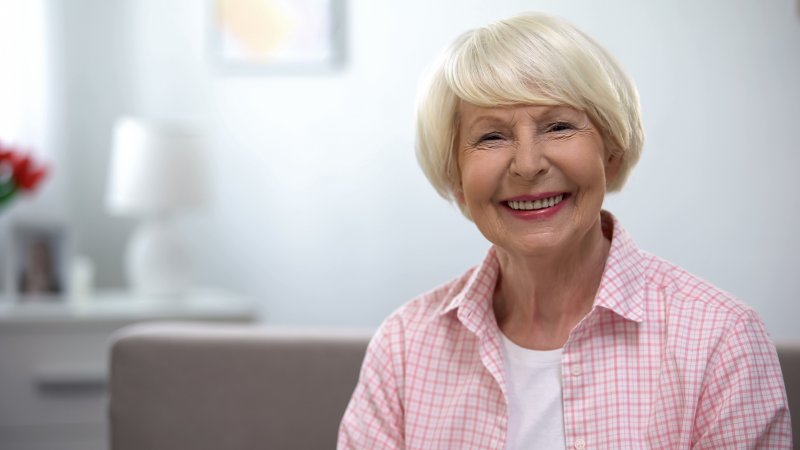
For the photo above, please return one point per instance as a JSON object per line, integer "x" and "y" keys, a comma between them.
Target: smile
{"x": 534, "y": 205}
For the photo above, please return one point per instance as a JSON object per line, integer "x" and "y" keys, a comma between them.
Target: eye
{"x": 493, "y": 136}
{"x": 560, "y": 126}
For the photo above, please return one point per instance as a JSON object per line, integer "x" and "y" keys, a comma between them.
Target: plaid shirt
{"x": 664, "y": 360}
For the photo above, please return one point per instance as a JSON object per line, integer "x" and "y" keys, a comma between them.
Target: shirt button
{"x": 580, "y": 444}
{"x": 575, "y": 370}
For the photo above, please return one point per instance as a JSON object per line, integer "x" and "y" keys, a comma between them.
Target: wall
{"x": 320, "y": 210}
{"x": 29, "y": 97}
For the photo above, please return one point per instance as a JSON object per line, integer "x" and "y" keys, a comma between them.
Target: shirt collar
{"x": 473, "y": 299}
{"x": 623, "y": 283}
{"x": 621, "y": 286}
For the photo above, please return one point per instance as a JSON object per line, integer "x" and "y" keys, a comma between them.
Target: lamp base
{"x": 157, "y": 261}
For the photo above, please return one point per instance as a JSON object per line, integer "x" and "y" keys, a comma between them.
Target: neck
{"x": 539, "y": 300}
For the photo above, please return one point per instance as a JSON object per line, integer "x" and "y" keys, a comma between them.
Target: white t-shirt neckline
{"x": 535, "y": 411}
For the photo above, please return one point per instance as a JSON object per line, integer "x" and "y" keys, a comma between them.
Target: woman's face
{"x": 532, "y": 177}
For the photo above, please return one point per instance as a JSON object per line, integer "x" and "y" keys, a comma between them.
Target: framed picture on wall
{"x": 37, "y": 270}
{"x": 277, "y": 36}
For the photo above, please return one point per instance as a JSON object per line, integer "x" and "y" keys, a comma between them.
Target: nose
{"x": 529, "y": 160}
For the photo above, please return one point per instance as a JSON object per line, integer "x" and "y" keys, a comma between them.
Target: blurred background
{"x": 317, "y": 208}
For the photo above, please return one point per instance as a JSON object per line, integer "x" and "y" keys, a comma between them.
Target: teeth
{"x": 537, "y": 204}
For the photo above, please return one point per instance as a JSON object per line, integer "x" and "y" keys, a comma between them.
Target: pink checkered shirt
{"x": 664, "y": 360}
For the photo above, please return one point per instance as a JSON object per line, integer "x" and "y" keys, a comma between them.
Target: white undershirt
{"x": 533, "y": 380}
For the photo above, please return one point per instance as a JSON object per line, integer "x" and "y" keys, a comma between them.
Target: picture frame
{"x": 253, "y": 37}
{"x": 37, "y": 267}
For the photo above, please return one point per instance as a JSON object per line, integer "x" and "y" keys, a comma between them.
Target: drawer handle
{"x": 66, "y": 380}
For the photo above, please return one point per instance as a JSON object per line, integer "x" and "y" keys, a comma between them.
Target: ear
{"x": 459, "y": 194}
{"x": 613, "y": 163}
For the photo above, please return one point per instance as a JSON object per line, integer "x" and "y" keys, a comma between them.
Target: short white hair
{"x": 531, "y": 58}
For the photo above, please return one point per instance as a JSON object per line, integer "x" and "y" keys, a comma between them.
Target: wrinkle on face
{"x": 567, "y": 155}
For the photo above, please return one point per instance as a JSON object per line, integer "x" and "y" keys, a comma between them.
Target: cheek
{"x": 478, "y": 180}
{"x": 585, "y": 170}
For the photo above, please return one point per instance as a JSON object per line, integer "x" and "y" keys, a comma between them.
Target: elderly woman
{"x": 567, "y": 335}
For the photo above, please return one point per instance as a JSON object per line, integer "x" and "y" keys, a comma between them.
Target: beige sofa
{"x": 230, "y": 387}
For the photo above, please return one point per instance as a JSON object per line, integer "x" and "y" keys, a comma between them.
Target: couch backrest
{"x": 227, "y": 387}
{"x": 232, "y": 387}
{"x": 789, "y": 355}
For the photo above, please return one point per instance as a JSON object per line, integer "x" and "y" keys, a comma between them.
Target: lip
{"x": 539, "y": 214}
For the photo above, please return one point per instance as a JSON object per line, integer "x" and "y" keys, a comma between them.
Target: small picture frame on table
{"x": 37, "y": 268}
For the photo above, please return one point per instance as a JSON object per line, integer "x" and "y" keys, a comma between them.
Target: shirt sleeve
{"x": 374, "y": 416}
{"x": 743, "y": 401}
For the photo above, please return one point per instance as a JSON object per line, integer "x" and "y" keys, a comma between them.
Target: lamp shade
{"x": 156, "y": 168}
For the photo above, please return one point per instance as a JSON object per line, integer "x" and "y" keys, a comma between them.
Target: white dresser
{"x": 53, "y": 361}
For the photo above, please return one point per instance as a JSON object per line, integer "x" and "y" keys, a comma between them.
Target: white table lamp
{"x": 157, "y": 169}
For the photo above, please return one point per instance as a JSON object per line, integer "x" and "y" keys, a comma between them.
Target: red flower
{"x": 26, "y": 174}
{"x": 18, "y": 172}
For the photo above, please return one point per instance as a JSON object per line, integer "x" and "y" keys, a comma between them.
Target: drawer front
{"x": 53, "y": 378}
{"x": 55, "y": 437}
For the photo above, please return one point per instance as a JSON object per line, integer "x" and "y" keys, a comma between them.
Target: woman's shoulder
{"x": 664, "y": 291}
{"x": 689, "y": 300}
{"x": 429, "y": 309}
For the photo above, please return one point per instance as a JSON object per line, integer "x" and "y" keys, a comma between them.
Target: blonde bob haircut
{"x": 534, "y": 59}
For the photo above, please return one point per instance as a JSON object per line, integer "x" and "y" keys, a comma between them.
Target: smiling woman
{"x": 512, "y": 158}
{"x": 551, "y": 73}
{"x": 567, "y": 335}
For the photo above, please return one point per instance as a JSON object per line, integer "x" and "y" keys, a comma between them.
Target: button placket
{"x": 573, "y": 388}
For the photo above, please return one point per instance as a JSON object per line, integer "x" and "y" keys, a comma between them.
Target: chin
{"x": 539, "y": 245}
